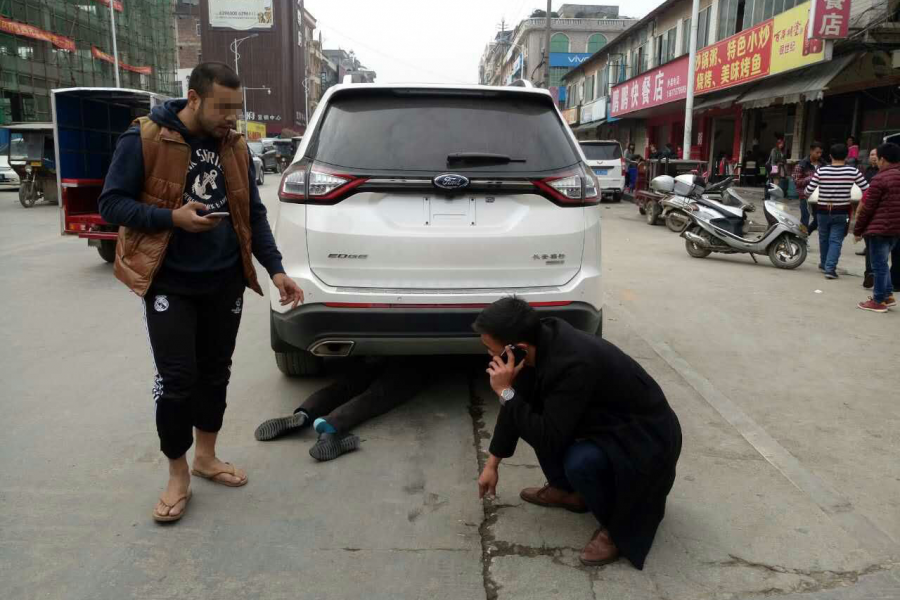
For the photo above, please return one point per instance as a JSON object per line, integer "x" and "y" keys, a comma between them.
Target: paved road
{"x": 788, "y": 486}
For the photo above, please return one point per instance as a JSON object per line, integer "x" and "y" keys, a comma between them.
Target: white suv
{"x": 408, "y": 209}
{"x": 605, "y": 159}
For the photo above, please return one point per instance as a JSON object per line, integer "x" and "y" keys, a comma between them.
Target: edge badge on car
{"x": 450, "y": 181}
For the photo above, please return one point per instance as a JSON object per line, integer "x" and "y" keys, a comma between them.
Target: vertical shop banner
{"x": 776, "y": 45}
{"x": 241, "y": 15}
{"x": 30, "y": 31}
{"x": 830, "y": 19}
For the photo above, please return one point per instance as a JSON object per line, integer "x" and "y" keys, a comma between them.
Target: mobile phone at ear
{"x": 519, "y": 354}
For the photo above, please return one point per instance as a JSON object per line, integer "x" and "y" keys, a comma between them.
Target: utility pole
{"x": 689, "y": 103}
{"x": 547, "y": 46}
{"x": 112, "y": 21}
{"x": 303, "y": 51}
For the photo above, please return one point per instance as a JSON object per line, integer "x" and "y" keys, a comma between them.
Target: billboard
{"x": 241, "y": 15}
{"x": 776, "y": 45}
{"x": 830, "y": 19}
{"x": 568, "y": 59}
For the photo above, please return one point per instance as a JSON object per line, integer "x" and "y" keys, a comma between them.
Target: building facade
{"x": 577, "y": 32}
{"x": 60, "y": 43}
{"x": 758, "y": 77}
{"x": 187, "y": 39}
{"x": 269, "y": 56}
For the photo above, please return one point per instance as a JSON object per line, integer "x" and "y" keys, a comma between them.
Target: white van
{"x": 605, "y": 159}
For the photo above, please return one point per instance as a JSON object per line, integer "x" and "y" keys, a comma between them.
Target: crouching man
{"x": 606, "y": 439}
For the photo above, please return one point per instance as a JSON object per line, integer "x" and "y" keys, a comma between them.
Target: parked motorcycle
{"x": 675, "y": 208}
{"x": 719, "y": 226}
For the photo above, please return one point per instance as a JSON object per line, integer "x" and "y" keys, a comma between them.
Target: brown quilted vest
{"x": 139, "y": 252}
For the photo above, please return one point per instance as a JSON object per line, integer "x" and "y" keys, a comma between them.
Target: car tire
{"x": 617, "y": 196}
{"x": 299, "y": 363}
{"x": 107, "y": 250}
{"x": 261, "y": 177}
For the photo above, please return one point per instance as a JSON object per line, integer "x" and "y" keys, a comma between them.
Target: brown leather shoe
{"x": 552, "y": 497}
{"x": 600, "y": 550}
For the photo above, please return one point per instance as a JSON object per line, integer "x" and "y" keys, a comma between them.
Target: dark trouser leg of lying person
{"x": 401, "y": 380}
{"x": 356, "y": 380}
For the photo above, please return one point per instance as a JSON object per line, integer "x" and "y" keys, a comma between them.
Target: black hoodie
{"x": 192, "y": 259}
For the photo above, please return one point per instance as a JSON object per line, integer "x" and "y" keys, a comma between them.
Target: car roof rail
{"x": 348, "y": 79}
{"x": 522, "y": 83}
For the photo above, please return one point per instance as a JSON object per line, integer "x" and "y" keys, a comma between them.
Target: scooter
{"x": 676, "y": 207}
{"x": 719, "y": 227}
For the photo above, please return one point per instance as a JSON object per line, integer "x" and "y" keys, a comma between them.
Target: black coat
{"x": 583, "y": 387}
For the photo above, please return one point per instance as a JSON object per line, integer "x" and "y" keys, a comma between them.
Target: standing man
{"x": 834, "y": 183}
{"x": 879, "y": 222}
{"x": 802, "y": 175}
{"x": 182, "y": 188}
{"x": 870, "y": 172}
{"x": 605, "y": 437}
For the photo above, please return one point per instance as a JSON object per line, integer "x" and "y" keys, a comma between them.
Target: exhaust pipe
{"x": 332, "y": 348}
{"x": 696, "y": 239}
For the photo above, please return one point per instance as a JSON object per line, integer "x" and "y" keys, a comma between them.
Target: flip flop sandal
{"x": 212, "y": 476}
{"x": 170, "y": 518}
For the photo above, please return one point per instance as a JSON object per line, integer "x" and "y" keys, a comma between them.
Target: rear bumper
{"x": 383, "y": 331}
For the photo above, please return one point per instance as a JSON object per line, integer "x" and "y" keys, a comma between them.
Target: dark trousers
{"x": 192, "y": 339}
{"x": 584, "y": 468}
{"x": 369, "y": 389}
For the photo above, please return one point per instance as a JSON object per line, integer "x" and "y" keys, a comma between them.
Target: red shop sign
{"x": 30, "y": 31}
{"x": 116, "y": 4}
{"x": 830, "y": 19}
{"x": 658, "y": 86}
{"x": 735, "y": 60}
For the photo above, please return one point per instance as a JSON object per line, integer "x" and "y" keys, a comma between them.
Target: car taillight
{"x": 574, "y": 187}
{"x": 303, "y": 183}
{"x": 622, "y": 162}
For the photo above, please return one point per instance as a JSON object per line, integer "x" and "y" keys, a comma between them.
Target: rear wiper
{"x": 482, "y": 157}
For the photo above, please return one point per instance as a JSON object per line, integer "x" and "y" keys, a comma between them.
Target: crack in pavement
{"x": 821, "y": 580}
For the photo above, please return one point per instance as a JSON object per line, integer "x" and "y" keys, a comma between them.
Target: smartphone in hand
{"x": 519, "y": 354}
{"x": 217, "y": 215}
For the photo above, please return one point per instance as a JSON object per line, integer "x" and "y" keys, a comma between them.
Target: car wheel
{"x": 617, "y": 196}
{"x": 261, "y": 178}
{"x": 298, "y": 364}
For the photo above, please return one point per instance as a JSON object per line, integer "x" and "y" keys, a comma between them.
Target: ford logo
{"x": 450, "y": 181}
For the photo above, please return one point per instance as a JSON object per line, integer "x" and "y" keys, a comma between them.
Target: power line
{"x": 388, "y": 56}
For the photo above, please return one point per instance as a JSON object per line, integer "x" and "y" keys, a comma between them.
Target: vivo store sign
{"x": 568, "y": 59}
{"x": 241, "y": 15}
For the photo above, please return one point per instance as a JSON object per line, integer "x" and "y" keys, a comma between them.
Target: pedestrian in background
{"x": 802, "y": 175}
{"x": 852, "y": 151}
{"x": 835, "y": 183}
{"x": 869, "y": 173}
{"x": 775, "y": 165}
{"x": 879, "y": 222}
{"x": 633, "y": 159}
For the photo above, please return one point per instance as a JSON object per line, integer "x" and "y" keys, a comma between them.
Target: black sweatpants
{"x": 192, "y": 338}
{"x": 369, "y": 389}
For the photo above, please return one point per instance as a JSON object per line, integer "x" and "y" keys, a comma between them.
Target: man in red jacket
{"x": 879, "y": 222}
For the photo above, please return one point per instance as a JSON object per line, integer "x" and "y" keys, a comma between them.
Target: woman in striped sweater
{"x": 834, "y": 183}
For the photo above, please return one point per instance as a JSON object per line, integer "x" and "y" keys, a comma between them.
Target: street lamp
{"x": 234, "y": 48}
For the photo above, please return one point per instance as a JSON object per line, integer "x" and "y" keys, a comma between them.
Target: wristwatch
{"x": 507, "y": 395}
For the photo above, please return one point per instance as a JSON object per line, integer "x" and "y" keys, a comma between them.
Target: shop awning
{"x": 591, "y": 125}
{"x": 719, "y": 101}
{"x": 807, "y": 84}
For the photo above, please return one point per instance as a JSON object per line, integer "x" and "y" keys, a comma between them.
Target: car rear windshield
{"x": 417, "y": 131}
{"x": 609, "y": 151}
{"x": 256, "y": 147}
